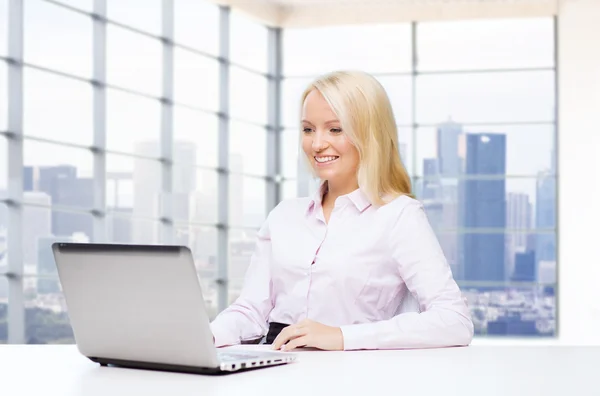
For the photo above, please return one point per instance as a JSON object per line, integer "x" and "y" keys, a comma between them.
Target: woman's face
{"x": 331, "y": 154}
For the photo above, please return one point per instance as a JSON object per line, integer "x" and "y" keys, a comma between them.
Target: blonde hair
{"x": 365, "y": 113}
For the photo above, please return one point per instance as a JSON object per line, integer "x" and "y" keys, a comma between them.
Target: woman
{"x": 334, "y": 271}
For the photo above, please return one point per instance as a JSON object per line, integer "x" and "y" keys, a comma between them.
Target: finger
{"x": 284, "y": 336}
{"x": 287, "y": 334}
{"x": 296, "y": 343}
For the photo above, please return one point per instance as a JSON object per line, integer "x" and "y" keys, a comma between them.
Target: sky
{"x": 60, "y": 109}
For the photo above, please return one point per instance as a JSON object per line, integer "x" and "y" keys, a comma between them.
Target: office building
{"x": 518, "y": 217}
{"x": 485, "y": 208}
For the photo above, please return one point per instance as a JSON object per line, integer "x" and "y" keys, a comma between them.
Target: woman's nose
{"x": 319, "y": 142}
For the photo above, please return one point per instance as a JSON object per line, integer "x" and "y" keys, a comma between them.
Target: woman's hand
{"x": 310, "y": 334}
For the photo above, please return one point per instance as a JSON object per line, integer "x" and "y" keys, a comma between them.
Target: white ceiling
{"x": 301, "y": 13}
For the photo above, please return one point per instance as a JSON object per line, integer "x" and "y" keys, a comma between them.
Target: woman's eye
{"x": 306, "y": 130}
{"x": 336, "y": 130}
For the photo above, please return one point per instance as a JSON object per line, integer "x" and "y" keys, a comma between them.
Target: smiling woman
{"x": 312, "y": 292}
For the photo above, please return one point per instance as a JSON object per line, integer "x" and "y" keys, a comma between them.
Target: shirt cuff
{"x": 359, "y": 336}
{"x": 222, "y": 336}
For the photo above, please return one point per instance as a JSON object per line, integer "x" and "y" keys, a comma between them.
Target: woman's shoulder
{"x": 402, "y": 204}
{"x": 289, "y": 207}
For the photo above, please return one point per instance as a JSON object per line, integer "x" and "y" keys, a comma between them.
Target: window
{"x": 486, "y": 97}
{"x": 57, "y": 108}
{"x": 85, "y": 5}
{"x": 248, "y": 43}
{"x": 247, "y": 149}
{"x": 46, "y": 318}
{"x": 196, "y": 80}
{"x": 3, "y": 27}
{"x": 57, "y": 38}
{"x": 194, "y": 197}
{"x": 57, "y": 175}
{"x": 132, "y": 123}
{"x": 140, "y": 14}
{"x": 248, "y": 96}
{"x": 371, "y": 48}
{"x": 197, "y": 25}
{"x": 485, "y": 44}
{"x": 480, "y": 150}
{"x": 247, "y": 201}
{"x": 200, "y": 129}
{"x": 133, "y": 61}
{"x": 3, "y": 309}
{"x": 3, "y": 96}
{"x": 3, "y": 170}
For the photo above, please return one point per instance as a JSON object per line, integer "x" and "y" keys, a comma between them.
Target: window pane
{"x": 133, "y": 61}
{"x": 247, "y": 201}
{"x": 46, "y": 318}
{"x": 488, "y": 97}
{"x": 3, "y": 96}
{"x": 291, "y": 94}
{"x": 134, "y": 183}
{"x": 120, "y": 228}
{"x": 202, "y": 241}
{"x": 489, "y": 203}
{"x": 196, "y": 80}
{"x": 405, "y": 148}
{"x": 132, "y": 124}
{"x": 197, "y": 25}
{"x": 57, "y": 175}
{"x": 513, "y": 310}
{"x": 200, "y": 129}
{"x": 399, "y": 91}
{"x": 4, "y": 27}
{"x": 290, "y": 141}
{"x": 141, "y": 14}
{"x": 86, "y": 5}
{"x": 248, "y": 99}
{"x": 515, "y": 149}
{"x": 57, "y": 38}
{"x": 42, "y": 227}
{"x": 3, "y": 310}
{"x": 485, "y": 44}
{"x": 249, "y": 42}
{"x": 242, "y": 244}
{"x": 3, "y": 166}
{"x": 194, "y": 197}
{"x": 247, "y": 149}
{"x": 65, "y": 115}
{"x": 289, "y": 189}
{"x": 372, "y": 48}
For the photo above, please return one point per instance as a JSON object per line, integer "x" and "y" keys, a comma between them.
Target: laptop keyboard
{"x": 230, "y": 357}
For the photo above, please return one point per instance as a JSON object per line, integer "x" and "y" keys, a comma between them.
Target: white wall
{"x": 579, "y": 172}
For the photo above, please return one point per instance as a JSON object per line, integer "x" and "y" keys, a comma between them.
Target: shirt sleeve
{"x": 246, "y": 318}
{"x": 444, "y": 319}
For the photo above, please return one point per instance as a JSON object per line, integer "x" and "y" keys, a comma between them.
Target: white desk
{"x": 476, "y": 370}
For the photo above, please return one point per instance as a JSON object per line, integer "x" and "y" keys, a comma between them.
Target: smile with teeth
{"x": 323, "y": 160}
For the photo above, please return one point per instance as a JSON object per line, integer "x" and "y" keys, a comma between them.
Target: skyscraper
{"x": 448, "y": 148}
{"x": 545, "y": 217}
{"x": 484, "y": 207}
{"x": 37, "y": 223}
{"x": 148, "y": 197}
{"x": 518, "y": 216}
{"x": 65, "y": 188}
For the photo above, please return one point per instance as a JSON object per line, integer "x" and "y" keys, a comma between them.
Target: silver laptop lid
{"x": 136, "y": 303}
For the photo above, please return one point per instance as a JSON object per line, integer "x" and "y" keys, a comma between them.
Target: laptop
{"x": 142, "y": 307}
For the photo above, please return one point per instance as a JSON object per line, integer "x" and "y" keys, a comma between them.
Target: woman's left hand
{"x": 309, "y": 333}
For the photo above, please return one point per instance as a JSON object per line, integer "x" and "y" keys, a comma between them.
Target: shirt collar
{"x": 357, "y": 197}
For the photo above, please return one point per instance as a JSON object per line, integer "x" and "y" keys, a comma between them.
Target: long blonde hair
{"x": 365, "y": 113}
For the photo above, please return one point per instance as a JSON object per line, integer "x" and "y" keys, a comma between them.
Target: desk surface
{"x": 475, "y": 370}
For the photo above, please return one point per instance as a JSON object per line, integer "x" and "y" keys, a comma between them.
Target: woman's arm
{"x": 444, "y": 320}
{"x": 246, "y": 318}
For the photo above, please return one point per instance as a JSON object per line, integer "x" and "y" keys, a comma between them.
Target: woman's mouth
{"x": 321, "y": 161}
